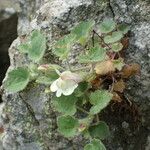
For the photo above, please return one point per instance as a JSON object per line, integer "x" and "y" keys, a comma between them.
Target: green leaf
{"x": 100, "y": 130}
{"x": 82, "y": 31}
{"x": 67, "y": 125}
{"x": 116, "y": 36}
{"x": 24, "y": 47}
{"x": 95, "y": 54}
{"x": 82, "y": 87}
{"x": 65, "y": 104}
{"x": 38, "y": 46}
{"x": 123, "y": 28}
{"x": 17, "y": 80}
{"x": 47, "y": 78}
{"x": 118, "y": 63}
{"x": 63, "y": 46}
{"x": 100, "y": 99}
{"x": 94, "y": 109}
{"x": 116, "y": 47}
{"x": 34, "y": 73}
{"x": 107, "y": 26}
{"x": 95, "y": 145}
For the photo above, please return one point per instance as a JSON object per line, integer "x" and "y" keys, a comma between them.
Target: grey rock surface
{"x": 8, "y": 32}
{"x": 29, "y": 120}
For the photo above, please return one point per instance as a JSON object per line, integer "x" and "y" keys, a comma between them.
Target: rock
{"x": 32, "y": 121}
{"x": 8, "y": 32}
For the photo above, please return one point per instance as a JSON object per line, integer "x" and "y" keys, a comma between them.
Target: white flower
{"x": 66, "y": 83}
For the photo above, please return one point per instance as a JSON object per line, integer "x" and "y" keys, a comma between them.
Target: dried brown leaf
{"x": 96, "y": 83}
{"x": 119, "y": 86}
{"x": 125, "y": 42}
{"x": 116, "y": 97}
{"x": 130, "y": 70}
{"x": 104, "y": 67}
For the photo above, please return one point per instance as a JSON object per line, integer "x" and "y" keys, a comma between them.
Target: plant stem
{"x": 92, "y": 68}
{"x": 113, "y": 81}
{"x": 83, "y": 110}
{"x": 101, "y": 39}
{"x": 97, "y": 118}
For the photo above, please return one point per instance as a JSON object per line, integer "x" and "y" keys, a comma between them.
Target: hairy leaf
{"x": 116, "y": 47}
{"x": 123, "y": 28}
{"x": 34, "y": 73}
{"x": 17, "y": 80}
{"x": 35, "y": 47}
{"x": 107, "y": 26}
{"x": 100, "y": 130}
{"x": 99, "y": 100}
{"x": 24, "y": 47}
{"x": 38, "y": 46}
{"x": 67, "y": 125}
{"x": 95, "y": 54}
{"x": 82, "y": 87}
{"x": 82, "y": 31}
{"x": 116, "y": 36}
{"x": 47, "y": 79}
{"x": 63, "y": 46}
{"x": 95, "y": 145}
{"x": 65, "y": 104}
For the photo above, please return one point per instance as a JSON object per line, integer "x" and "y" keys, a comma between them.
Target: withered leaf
{"x": 119, "y": 86}
{"x": 96, "y": 83}
{"x": 130, "y": 70}
{"x": 116, "y": 97}
{"x": 125, "y": 42}
{"x": 104, "y": 67}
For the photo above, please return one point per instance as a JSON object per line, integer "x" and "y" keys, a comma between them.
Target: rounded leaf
{"x": 37, "y": 46}
{"x": 116, "y": 36}
{"x": 17, "y": 80}
{"x": 65, "y": 104}
{"x": 99, "y": 100}
{"x": 100, "y": 130}
{"x": 82, "y": 31}
{"x": 107, "y": 26}
{"x": 123, "y": 28}
{"x": 67, "y": 125}
{"x": 104, "y": 67}
{"x": 95, "y": 54}
{"x": 116, "y": 47}
{"x": 63, "y": 46}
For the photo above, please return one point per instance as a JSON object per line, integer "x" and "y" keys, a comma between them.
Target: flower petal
{"x": 58, "y": 93}
{"x": 69, "y": 88}
{"x": 67, "y": 75}
{"x": 54, "y": 86}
